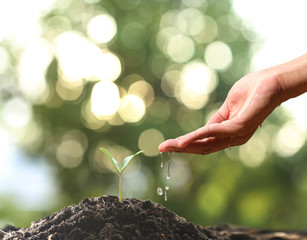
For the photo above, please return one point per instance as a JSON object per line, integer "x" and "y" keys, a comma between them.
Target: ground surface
{"x": 105, "y": 218}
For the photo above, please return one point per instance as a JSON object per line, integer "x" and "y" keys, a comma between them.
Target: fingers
{"x": 221, "y": 115}
{"x": 210, "y": 130}
{"x": 221, "y": 130}
{"x": 207, "y": 145}
{"x": 225, "y": 129}
{"x": 167, "y": 145}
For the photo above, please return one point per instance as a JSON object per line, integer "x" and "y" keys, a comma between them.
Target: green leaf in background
{"x": 114, "y": 162}
{"x": 127, "y": 160}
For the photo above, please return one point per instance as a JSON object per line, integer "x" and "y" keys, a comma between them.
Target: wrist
{"x": 291, "y": 78}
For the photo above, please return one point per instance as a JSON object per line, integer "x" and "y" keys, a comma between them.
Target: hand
{"x": 248, "y": 103}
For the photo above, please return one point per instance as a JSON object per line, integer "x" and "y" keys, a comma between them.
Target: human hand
{"x": 248, "y": 103}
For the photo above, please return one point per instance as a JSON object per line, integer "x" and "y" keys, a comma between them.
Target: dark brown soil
{"x": 106, "y": 218}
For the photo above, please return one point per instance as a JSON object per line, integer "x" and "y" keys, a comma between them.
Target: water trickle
{"x": 168, "y": 175}
{"x": 159, "y": 191}
{"x": 161, "y": 159}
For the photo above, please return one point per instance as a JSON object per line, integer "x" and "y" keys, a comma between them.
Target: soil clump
{"x": 106, "y": 218}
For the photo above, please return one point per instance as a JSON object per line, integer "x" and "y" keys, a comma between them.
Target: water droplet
{"x": 159, "y": 191}
{"x": 259, "y": 126}
{"x": 168, "y": 176}
{"x": 161, "y": 159}
{"x": 165, "y": 196}
{"x": 166, "y": 188}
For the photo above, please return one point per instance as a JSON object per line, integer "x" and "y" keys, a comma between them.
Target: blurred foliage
{"x": 156, "y": 42}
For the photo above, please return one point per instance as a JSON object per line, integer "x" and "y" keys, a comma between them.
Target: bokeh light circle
{"x": 5, "y": 60}
{"x": 106, "y": 66}
{"x": 132, "y": 108}
{"x": 196, "y": 83}
{"x": 149, "y": 141}
{"x": 105, "y": 99}
{"x": 102, "y": 28}
{"x": 180, "y": 48}
{"x": 218, "y": 55}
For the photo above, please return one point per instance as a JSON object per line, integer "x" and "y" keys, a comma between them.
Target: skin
{"x": 248, "y": 103}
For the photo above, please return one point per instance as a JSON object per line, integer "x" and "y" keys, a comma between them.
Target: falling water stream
{"x": 168, "y": 176}
{"x": 161, "y": 153}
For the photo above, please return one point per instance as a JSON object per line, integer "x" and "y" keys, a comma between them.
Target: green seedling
{"x": 120, "y": 170}
{"x": 3, "y": 232}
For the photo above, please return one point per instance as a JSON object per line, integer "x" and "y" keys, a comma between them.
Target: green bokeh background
{"x": 252, "y": 185}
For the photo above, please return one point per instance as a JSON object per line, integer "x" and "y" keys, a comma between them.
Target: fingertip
{"x": 167, "y": 145}
{"x": 161, "y": 148}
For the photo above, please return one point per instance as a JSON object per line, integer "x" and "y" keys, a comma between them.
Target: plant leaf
{"x": 128, "y": 159}
{"x": 114, "y": 162}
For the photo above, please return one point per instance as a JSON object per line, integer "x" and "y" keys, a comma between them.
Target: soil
{"x": 106, "y": 218}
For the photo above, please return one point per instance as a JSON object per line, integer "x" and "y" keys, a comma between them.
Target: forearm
{"x": 292, "y": 77}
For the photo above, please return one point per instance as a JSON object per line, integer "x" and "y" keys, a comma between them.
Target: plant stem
{"x": 3, "y": 232}
{"x": 120, "y": 186}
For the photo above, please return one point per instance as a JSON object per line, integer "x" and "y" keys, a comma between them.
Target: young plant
{"x": 120, "y": 170}
{"x": 4, "y": 233}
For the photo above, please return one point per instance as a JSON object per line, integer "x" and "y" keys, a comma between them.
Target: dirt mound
{"x": 106, "y": 218}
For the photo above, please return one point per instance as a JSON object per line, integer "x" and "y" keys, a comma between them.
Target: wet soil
{"x": 106, "y": 218}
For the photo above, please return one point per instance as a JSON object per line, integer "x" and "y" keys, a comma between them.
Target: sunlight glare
{"x": 163, "y": 36}
{"x": 81, "y": 59}
{"x": 19, "y": 20}
{"x": 190, "y": 21}
{"x": 289, "y": 140}
{"x": 180, "y": 48}
{"x": 68, "y": 92}
{"x": 142, "y": 89}
{"x": 209, "y": 32}
{"x": 105, "y": 99}
{"x": 294, "y": 106}
{"x": 73, "y": 52}
{"x": 17, "y": 113}
{"x": 70, "y": 153}
{"x": 169, "y": 81}
{"x": 132, "y": 108}
{"x": 149, "y": 141}
{"x": 71, "y": 149}
{"x": 32, "y": 70}
{"x": 248, "y": 153}
{"x": 106, "y": 66}
{"x": 102, "y": 28}
{"x": 5, "y": 60}
{"x": 88, "y": 118}
{"x": 218, "y": 55}
{"x": 197, "y": 81}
